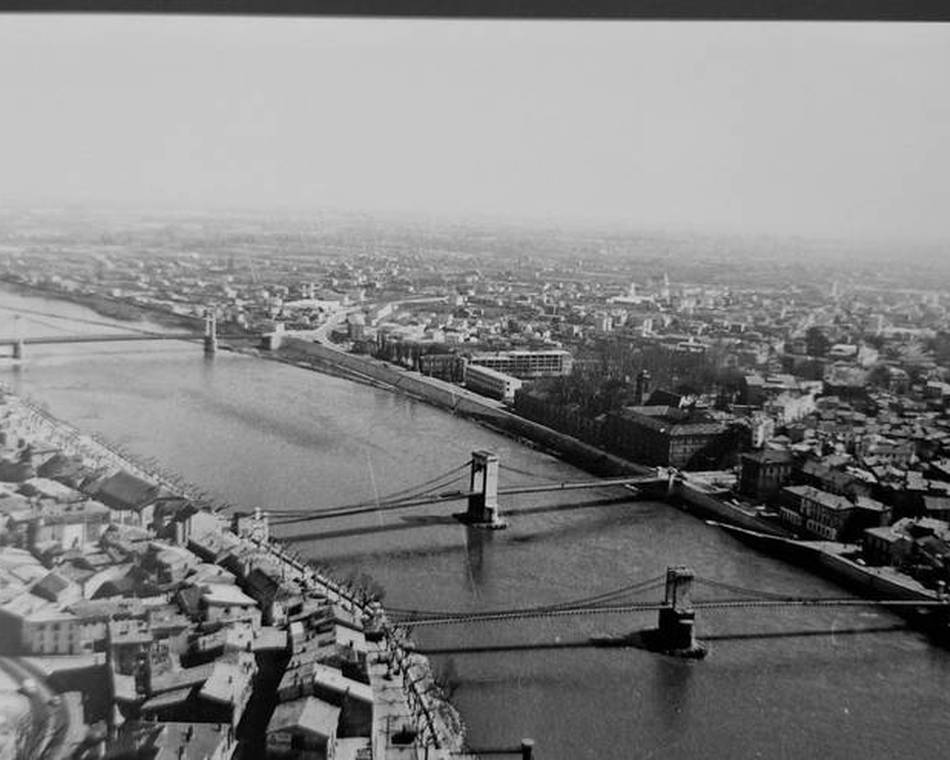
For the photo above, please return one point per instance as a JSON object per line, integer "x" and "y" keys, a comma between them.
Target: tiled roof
{"x": 228, "y": 683}
{"x": 226, "y": 594}
{"x": 333, "y": 680}
{"x": 309, "y": 714}
{"x": 125, "y": 491}
{"x": 768, "y": 456}
{"x": 51, "y": 586}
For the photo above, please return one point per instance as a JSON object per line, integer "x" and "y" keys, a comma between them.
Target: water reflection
{"x": 673, "y": 688}
{"x": 475, "y": 541}
{"x": 207, "y": 369}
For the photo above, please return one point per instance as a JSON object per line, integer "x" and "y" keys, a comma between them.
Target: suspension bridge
{"x": 482, "y": 473}
{"x": 676, "y": 610}
{"x": 18, "y": 343}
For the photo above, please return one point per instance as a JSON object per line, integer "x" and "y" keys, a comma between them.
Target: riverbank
{"x": 875, "y": 582}
{"x": 708, "y": 502}
{"x": 404, "y": 686}
{"x": 31, "y": 420}
{"x": 464, "y": 403}
{"x": 835, "y": 561}
{"x": 443, "y": 395}
{"x": 113, "y": 308}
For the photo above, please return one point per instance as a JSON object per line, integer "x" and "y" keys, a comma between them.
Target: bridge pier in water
{"x": 211, "y": 334}
{"x": 675, "y": 633}
{"x": 483, "y": 496}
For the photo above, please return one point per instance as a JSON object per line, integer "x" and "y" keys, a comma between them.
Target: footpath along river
{"x": 258, "y": 433}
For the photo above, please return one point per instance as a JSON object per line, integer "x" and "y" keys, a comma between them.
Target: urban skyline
{"x": 744, "y": 128}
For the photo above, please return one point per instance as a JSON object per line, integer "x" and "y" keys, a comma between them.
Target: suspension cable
{"x": 396, "y": 498}
{"x": 86, "y": 320}
{"x": 540, "y": 612}
{"x": 326, "y": 514}
{"x": 405, "y": 615}
{"x": 732, "y": 588}
{"x": 518, "y": 471}
{"x": 420, "y": 489}
{"x": 34, "y": 320}
{"x": 413, "y": 491}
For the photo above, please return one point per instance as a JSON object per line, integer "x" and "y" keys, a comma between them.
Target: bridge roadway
{"x": 112, "y": 337}
{"x": 569, "y": 486}
{"x": 710, "y": 604}
{"x": 294, "y": 516}
{"x": 677, "y": 597}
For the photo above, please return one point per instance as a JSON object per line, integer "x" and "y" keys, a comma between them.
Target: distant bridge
{"x": 209, "y": 337}
{"x": 112, "y": 337}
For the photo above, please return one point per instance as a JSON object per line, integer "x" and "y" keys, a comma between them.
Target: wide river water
{"x": 258, "y": 433}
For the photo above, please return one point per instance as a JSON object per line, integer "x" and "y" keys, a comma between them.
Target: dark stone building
{"x": 764, "y": 473}
{"x": 449, "y": 367}
{"x": 663, "y": 435}
{"x": 538, "y": 405}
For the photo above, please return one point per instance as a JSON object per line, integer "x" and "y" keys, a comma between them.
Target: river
{"x": 258, "y": 433}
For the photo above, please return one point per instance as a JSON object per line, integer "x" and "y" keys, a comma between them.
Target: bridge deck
{"x": 569, "y": 486}
{"x": 111, "y": 337}
{"x": 609, "y": 609}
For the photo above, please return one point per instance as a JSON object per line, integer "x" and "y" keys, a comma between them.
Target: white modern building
{"x": 490, "y": 382}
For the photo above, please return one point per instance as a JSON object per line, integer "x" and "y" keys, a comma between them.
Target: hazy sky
{"x": 840, "y": 129}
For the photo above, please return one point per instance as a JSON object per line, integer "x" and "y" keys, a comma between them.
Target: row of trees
{"x": 605, "y": 380}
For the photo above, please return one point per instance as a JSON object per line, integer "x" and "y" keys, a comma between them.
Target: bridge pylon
{"x": 483, "y": 496}
{"x": 211, "y": 333}
{"x": 676, "y": 628}
{"x": 18, "y": 341}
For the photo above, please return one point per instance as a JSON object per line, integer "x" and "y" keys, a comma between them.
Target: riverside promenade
{"x": 411, "y": 720}
{"x": 407, "y": 696}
